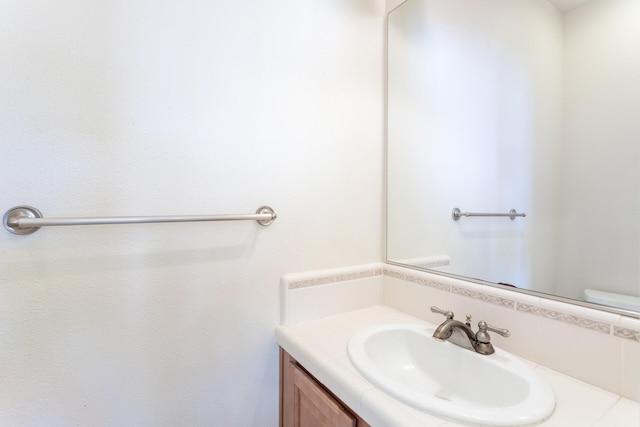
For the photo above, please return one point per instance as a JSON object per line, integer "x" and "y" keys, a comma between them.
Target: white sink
{"x": 449, "y": 381}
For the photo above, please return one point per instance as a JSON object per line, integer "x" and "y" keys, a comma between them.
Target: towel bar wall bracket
{"x": 457, "y": 213}
{"x": 27, "y": 219}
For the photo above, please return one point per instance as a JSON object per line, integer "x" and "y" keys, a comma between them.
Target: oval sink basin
{"x": 448, "y": 381}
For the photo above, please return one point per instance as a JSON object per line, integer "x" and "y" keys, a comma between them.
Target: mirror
{"x": 530, "y": 105}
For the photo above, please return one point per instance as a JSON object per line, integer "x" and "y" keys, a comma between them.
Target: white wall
{"x": 156, "y": 108}
{"x": 476, "y": 85}
{"x": 599, "y": 195}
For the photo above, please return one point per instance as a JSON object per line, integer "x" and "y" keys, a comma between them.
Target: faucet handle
{"x": 504, "y": 332}
{"x": 448, "y": 314}
{"x": 482, "y": 335}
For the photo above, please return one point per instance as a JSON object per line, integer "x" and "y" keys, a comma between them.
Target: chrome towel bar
{"x": 26, "y": 219}
{"x": 456, "y": 214}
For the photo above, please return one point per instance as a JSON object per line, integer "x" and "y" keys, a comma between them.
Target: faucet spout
{"x": 456, "y": 332}
{"x": 446, "y": 328}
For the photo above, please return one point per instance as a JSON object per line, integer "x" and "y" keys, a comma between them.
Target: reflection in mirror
{"x": 529, "y": 105}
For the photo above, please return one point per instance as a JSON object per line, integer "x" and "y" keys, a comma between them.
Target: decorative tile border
{"x": 419, "y": 280}
{"x": 429, "y": 283}
{"x": 358, "y": 275}
{"x": 626, "y": 333}
{"x": 566, "y": 318}
{"x": 334, "y": 278}
{"x": 504, "y": 302}
{"x": 394, "y": 274}
{"x": 492, "y": 299}
{"x": 570, "y": 319}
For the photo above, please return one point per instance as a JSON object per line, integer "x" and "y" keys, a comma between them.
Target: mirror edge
{"x": 613, "y": 310}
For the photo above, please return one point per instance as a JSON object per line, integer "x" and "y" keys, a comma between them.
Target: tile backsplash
{"x": 594, "y": 346}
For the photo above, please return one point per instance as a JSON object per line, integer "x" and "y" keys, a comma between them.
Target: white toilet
{"x": 611, "y": 299}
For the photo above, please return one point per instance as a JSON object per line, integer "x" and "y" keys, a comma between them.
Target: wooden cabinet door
{"x": 304, "y": 402}
{"x": 314, "y": 407}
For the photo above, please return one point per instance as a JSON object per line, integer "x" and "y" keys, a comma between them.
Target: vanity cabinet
{"x": 305, "y": 402}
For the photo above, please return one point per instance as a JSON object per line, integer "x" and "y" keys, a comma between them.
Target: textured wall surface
{"x": 193, "y": 107}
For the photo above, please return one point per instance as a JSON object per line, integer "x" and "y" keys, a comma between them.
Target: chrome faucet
{"x": 462, "y": 335}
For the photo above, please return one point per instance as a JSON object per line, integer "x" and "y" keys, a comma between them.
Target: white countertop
{"x": 321, "y": 347}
